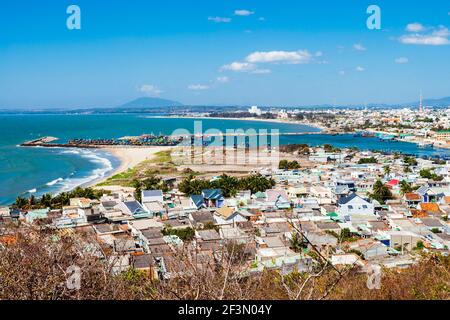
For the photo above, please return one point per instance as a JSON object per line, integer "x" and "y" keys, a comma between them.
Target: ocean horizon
{"x": 26, "y": 171}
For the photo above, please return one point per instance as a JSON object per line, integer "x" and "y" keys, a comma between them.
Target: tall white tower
{"x": 421, "y": 105}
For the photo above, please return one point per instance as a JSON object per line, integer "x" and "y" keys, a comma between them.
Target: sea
{"x": 36, "y": 171}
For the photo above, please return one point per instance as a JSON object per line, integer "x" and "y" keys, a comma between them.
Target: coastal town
{"x": 347, "y": 208}
{"x": 224, "y": 158}
{"x": 426, "y": 126}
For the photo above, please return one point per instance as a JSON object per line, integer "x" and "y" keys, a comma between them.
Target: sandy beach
{"x": 129, "y": 157}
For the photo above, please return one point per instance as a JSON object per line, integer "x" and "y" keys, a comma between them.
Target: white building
{"x": 354, "y": 206}
{"x": 255, "y": 110}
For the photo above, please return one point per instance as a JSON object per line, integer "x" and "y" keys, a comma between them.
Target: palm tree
{"x": 387, "y": 170}
{"x": 20, "y": 202}
{"x": 46, "y": 201}
{"x": 32, "y": 201}
{"x": 381, "y": 192}
{"x": 405, "y": 187}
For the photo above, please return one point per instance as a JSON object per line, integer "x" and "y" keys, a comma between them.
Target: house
{"x": 124, "y": 245}
{"x": 35, "y": 215}
{"x": 197, "y": 202}
{"x": 4, "y": 212}
{"x": 213, "y": 198}
{"x": 433, "y": 224}
{"x": 280, "y": 258}
{"x": 328, "y": 226}
{"x": 403, "y": 240}
{"x": 207, "y": 235}
{"x": 261, "y": 196}
{"x": 278, "y": 199}
{"x": 354, "y": 205}
{"x": 271, "y": 242}
{"x": 340, "y": 192}
{"x": 370, "y": 248}
{"x": 228, "y": 215}
{"x": 81, "y": 202}
{"x": 322, "y": 239}
{"x": 201, "y": 218}
{"x": 233, "y": 234}
{"x": 210, "y": 198}
{"x": 133, "y": 208}
{"x": 350, "y": 184}
{"x": 412, "y": 199}
{"x": 145, "y": 263}
{"x": 152, "y": 196}
{"x": 393, "y": 184}
{"x": 431, "y": 208}
{"x": 156, "y": 208}
{"x": 346, "y": 259}
{"x": 322, "y": 194}
{"x": 430, "y": 194}
{"x": 15, "y": 214}
{"x": 153, "y": 201}
{"x": 297, "y": 192}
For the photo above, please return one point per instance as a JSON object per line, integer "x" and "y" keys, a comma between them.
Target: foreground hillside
{"x": 38, "y": 264}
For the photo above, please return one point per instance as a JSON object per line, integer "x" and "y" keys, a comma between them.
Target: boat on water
{"x": 424, "y": 145}
{"x": 364, "y": 134}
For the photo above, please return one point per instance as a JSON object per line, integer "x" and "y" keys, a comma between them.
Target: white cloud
{"x": 342, "y": 72}
{"x": 402, "y": 60}
{"x": 439, "y": 37}
{"x": 198, "y": 87}
{"x": 150, "y": 90}
{"x": 442, "y": 32}
{"x": 223, "y": 79}
{"x": 359, "y": 47}
{"x": 219, "y": 19}
{"x": 415, "y": 27}
{"x": 243, "y": 13}
{"x": 360, "y": 69}
{"x": 261, "y": 71}
{"x": 239, "y": 67}
{"x": 292, "y": 57}
{"x": 425, "y": 40}
{"x": 252, "y": 62}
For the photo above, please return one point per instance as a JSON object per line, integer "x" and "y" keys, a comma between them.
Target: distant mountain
{"x": 147, "y": 102}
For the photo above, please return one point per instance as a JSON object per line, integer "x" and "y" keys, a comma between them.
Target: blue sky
{"x": 222, "y": 52}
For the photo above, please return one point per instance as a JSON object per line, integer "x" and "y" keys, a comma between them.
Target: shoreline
{"x": 128, "y": 159}
{"x": 312, "y": 125}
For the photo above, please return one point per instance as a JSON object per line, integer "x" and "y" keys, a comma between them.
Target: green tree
{"x": 409, "y": 161}
{"x": 420, "y": 245}
{"x": 297, "y": 243}
{"x": 381, "y": 192}
{"x": 405, "y": 187}
{"x": 367, "y": 160}
{"x": 20, "y": 203}
{"x": 46, "y": 201}
{"x": 284, "y": 164}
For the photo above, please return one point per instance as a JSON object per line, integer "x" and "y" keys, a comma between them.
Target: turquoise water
{"x": 25, "y": 171}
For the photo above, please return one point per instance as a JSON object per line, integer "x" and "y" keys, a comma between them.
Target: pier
{"x": 149, "y": 140}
